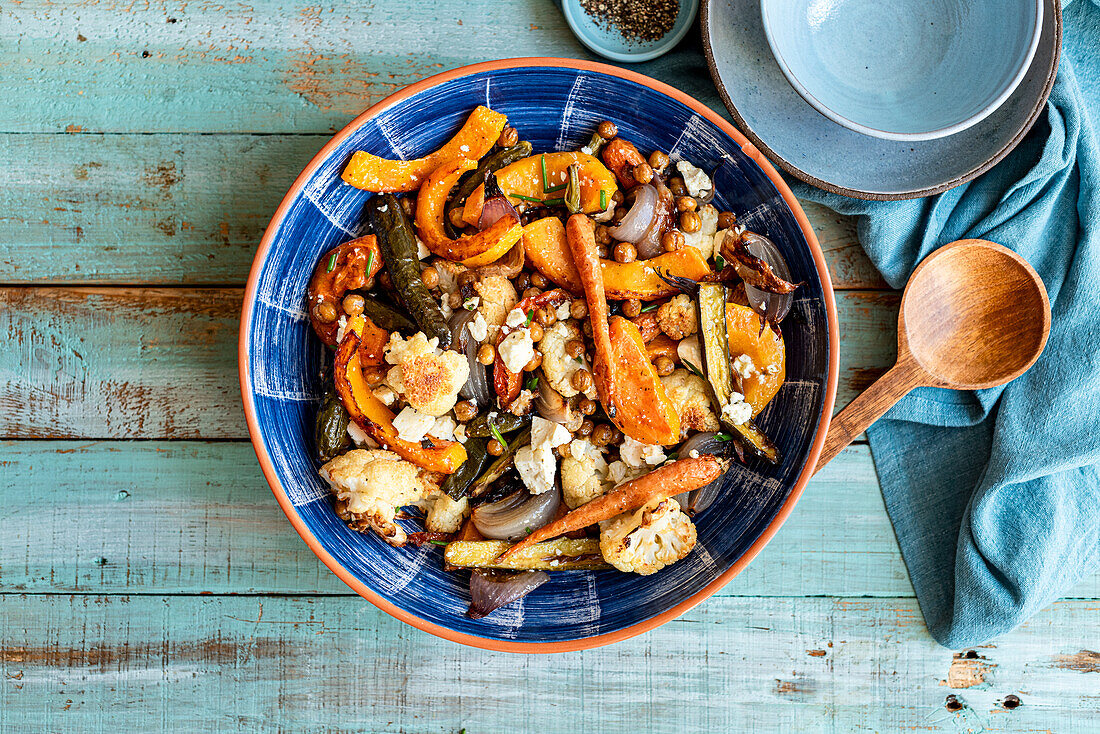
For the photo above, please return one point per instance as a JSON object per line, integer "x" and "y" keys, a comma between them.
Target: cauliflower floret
{"x": 370, "y": 485}
{"x": 703, "y": 239}
{"x": 677, "y": 318}
{"x": 582, "y": 474}
{"x": 428, "y": 378}
{"x": 497, "y": 297}
{"x": 557, "y": 366}
{"x": 448, "y": 274}
{"x": 646, "y": 540}
{"x": 446, "y": 515}
{"x": 689, "y": 394}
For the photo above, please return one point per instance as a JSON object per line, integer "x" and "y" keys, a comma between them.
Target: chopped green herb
{"x": 651, "y": 307}
{"x": 603, "y": 199}
{"x": 553, "y": 202}
{"x": 671, "y": 457}
{"x": 438, "y": 542}
{"x": 496, "y": 433}
{"x": 545, "y": 183}
{"x": 528, "y": 530}
{"x": 692, "y": 367}
{"x": 719, "y": 261}
{"x": 521, "y": 197}
{"x": 559, "y": 187}
{"x": 469, "y": 304}
{"x": 530, "y": 317}
{"x": 370, "y": 261}
{"x": 723, "y": 437}
{"x": 532, "y": 384}
{"x": 331, "y": 262}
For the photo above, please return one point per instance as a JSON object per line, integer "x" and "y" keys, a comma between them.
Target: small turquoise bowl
{"x": 611, "y": 44}
{"x": 906, "y": 69}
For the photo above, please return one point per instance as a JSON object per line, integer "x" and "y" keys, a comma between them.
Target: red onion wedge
{"x": 772, "y": 307}
{"x": 496, "y": 206}
{"x": 640, "y": 217}
{"x": 700, "y": 499}
{"x": 477, "y": 386}
{"x": 517, "y": 515}
{"x": 491, "y": 590}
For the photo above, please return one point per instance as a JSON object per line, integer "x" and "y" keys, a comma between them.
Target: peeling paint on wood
{"x": 1085, "y": 661}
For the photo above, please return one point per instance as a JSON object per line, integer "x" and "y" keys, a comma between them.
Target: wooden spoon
{"x": 974, "y": 315}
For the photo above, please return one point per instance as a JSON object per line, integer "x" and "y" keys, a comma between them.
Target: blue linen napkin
{"x": 995, "y": 494}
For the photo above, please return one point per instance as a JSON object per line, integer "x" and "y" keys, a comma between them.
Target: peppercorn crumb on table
{"x": 547, "y": 358}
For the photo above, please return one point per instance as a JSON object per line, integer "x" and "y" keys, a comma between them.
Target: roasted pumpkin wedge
{"x": 628, "y": 384}
{"x": 763, "y": 347}
{"x": 548, "y": 252}
{"x": 372, "y": 415}
{"x": 347, "y": 267}
{"x": 545, "y": 178}
{"x": 382, "y": 175}
{"x": 474, "y": 250}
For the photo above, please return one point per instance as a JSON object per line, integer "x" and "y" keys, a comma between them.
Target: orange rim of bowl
{"x": 645, "y": 625}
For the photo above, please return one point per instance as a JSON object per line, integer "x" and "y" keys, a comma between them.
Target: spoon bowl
{"x": 974, "y": 315}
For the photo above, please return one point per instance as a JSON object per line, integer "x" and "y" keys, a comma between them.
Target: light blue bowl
{"x": 904, "y": 69}
{"x": 610, "y": 44}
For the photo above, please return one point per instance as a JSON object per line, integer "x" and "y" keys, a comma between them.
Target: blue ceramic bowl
{"x": 555, "y": 104}
{"x": 611, "y": 44}
{"x": 904, "y": 69}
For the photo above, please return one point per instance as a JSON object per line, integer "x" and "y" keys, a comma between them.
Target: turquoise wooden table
{"x": 148, "y": 579}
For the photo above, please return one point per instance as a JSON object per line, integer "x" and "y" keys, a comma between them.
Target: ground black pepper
{"x": 636, "y": 20}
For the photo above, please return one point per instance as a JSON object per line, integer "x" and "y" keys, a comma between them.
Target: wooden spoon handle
{"x": 868, "y": 407}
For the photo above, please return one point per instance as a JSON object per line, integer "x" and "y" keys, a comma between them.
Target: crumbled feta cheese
{"x": 562, "y": 311}
{"x": 586, "y": 150}
{"x": 479, "y": 330}
{"x": 697, "y": 182}
{"x": 637, "y": 454}
{"x": 384, "y": 208}
{"x": 360, "y": 437}
{"x": 535, "y": 462}
{"x": 464, "y": 148}
{"x": 743, "y": 365}
{"x": 516, "y": 350}
{"x": 343, "y": 325}
{"x": 385, "y": 394}
{"x": 618, "y": 472}
{"x": 443, "y": 428}
{"x": 690, "y": 351}
{"x": 460, "y": 433}
{"x": 516, "y": 317}
{"x": 422, "y": 250}
{"x": 737, "y": 411}
{"x": 412, "y": 425}
{"x": 694, "y": 453}
{"x": 471, "y": 304}
{"x": 445, "y": 308}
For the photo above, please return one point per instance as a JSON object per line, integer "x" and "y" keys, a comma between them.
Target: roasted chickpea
{"x": 532, "y": 292}
{"x": 374, "y": 376}
{"x": 607, "y": 130}
{"x": 632, "y": 307}
{"x": 588, "y": 407}
{"x": 536, "y": 330}
{"x": 617, "y": 197}
{"x": 486, "y": 353}
{"x": 690, "y": 222}
{"x": 455, "y": 300}
{"x": 603, "y": 250}
{"x": 538, "y": 280}
{"x": 658, "y": 160}
{"x": 601, "y": 234}
{"x": 521, "y": 281}
{"x": 325, "y": 311}
{"x": 562, "y": 451}
{"x": 586, "y": 327}
{"x": 455, "y": 217}
{"x": 672, "y": 240}
{"x": 509, "y": 136}
{"x": 625, "y": 252}
{"x": 642, "y": 173}
{"x": 665, "y": 366}
{"x": 406, "y": 205}
{"x": 686, "y": 204}
{"x": 574, "y": 348}
{"x": 466, "y": 279}
{"x": 581, "y": 380}
{"x": 585, "y": 427}
{"x": 602, "y": 434}
{"x": 534, "y": 364}
{"x": 578, "y": 309}
{"x": 726, "y": 220}
{"x": 677, "y": 187}
{"x": 546, "y": 316}
{"x": 495, "y": 447}
{"x": 353, "y": 304}
{"x": 465, "y": 411}
{"x": 430, "y": 276}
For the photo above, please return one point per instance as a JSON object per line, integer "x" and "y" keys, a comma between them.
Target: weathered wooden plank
{"x": 274, "y": 66}
{"x": 190, "y": 209}
{"x": 337, "y": 664}
{"x": 162, "y": 363}
{"x": 184, "y": 517}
